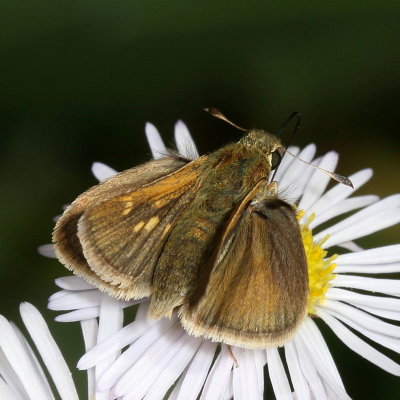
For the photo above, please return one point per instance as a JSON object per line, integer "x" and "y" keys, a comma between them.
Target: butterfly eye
{"x": 275, "y": 159}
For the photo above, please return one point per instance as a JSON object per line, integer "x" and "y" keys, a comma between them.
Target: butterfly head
{"x": 268, "y": 144}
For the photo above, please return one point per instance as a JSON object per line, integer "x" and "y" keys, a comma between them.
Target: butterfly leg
{"x": 235, "y": 361}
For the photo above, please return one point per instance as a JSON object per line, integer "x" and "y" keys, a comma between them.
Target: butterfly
{"x": 209, "y": 239}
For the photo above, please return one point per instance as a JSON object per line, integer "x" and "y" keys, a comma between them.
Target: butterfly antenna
{"x": 295, "y": 130}
{"x": 339, "y": 178}
{"x": 218, "y": 114}
{"x": 297, "y": 115}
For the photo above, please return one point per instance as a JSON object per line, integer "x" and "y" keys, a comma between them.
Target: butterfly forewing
{"x": 123, "y": 238}
{"x": 255, "y": 295}
{"x": 123, "y": 223}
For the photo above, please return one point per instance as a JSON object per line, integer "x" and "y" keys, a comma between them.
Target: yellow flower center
{"x": 320, "y": 269}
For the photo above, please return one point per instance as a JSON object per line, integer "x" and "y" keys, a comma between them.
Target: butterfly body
{"x": 207, "y": 238}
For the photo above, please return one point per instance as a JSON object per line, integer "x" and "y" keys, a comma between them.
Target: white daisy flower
{"x": 21, "y": 374}
{"x": 148, "y": 359}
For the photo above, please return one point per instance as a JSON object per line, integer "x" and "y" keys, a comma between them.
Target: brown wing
{"x": 256, "y": 292}
{"x": 113, "y": 233}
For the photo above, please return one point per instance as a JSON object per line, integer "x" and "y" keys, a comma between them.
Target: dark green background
{"x": 79, "y": 79}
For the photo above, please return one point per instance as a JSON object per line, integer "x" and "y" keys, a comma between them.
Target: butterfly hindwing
{"x": 257, "y": 289}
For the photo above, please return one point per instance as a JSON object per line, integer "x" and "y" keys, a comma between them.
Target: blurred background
{"x": 80, "y": 79}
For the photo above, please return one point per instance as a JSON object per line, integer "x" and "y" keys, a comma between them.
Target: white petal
{"x": 245, "y": 383}
{"x": 157, "y": 147}
{"x": 260, "y": 359}
{"x": 102, "y": 171}
{"x": 364, "y": 228}
{"x": 8, "y": 373}
{"x": 33, "y": 357}
{"x": 330, "y": 393}
{"x": 174, "y": 368}
{"x": 34, "y": 361}
{"x": 379, "y": 331}
{"x": 287, "y": 160}
{"x": 368, "y": 269}
{"x": 20, "y": 361}
{"x": 47, "y": 250}
{"x": 110, "y": 321}
{"x": 339, "y": 192}
{"x": 73, "y": 283}
{"x": 126, "y": 360}
{"x": 351, "y": 246}
{"x": 219, "y": 377}
{"x": 6, "y": 392}
{"x": 384, "y": 303}
{"x": 296, "y": 375}
{"x": 228, "y": 395}
{"x": 196, "y": 374}
{"x": 157, "y": 376}
{"x": 380, "y": 255}
{"x": 67, "y": 300}
{"x": 309, "y": 370}
{"x": 294, "y": 179}
{"x": 358, "y": 345}
{"x": 114, "y": 343}
{"x": 75, "y": 300}
{"x": 59, "y": 294}
{"x": 386, "y": 286}
{"x": 378, "y": 216}
{"x": 140, "y": 376}
{"x": 325, "y": 369}
{"x": 318, "y": 181}
{"x": 49, "y": 351}
{"x": 278, "y": 375}
{"x": 177, "y": 387}
{"x": 393, "y": 315}
{"x": 184, "y": 142}
{"x": 343, "y": 207}
{"x": 90, "y": 331}
{"x": 79, "y": 315}
{"x": 316, "y": 339}
{"x": 110, "y": 317}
